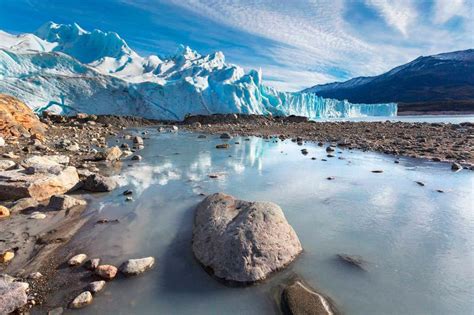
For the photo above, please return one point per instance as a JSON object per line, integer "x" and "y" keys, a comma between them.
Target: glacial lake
{"x": 419, "y": 243}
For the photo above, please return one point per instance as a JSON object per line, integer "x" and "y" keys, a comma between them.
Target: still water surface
{"x": 419, "y": 243}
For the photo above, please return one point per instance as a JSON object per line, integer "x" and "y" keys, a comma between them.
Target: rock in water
{"x": 111, "y": 154}
{"x": 298, "y": 299}
{"x": 82, "y": 300}
{"x": 12, "y": 294}
{"x": 106, "y": 272}
{"x": 133, "y": 267}
{"x": 96, "y": 286}
{"x": 242, "y": 241}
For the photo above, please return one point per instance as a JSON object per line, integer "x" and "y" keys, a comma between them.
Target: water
{"x": 418, "y": 242}
{"x": 453, "y": 119}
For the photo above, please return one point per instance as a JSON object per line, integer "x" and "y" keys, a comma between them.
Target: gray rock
{"x": 242, "y": 241}
{"x": 96, "y": 286}
{"x": 6, "y": 165}
{"x": 137, "y": 266}
{"x": 99, "y": 183}
{"x": 35, "y": 275}
{"x": 299, "y": 299}
{"x": 82, "y": 300}
{"x": 37, "y": 216}
{"x": 12, "y": 294}
{"x": 456, "y": 166}
{"x": 64, "y": 202}
{"x": 138, "y": 140}
{"x": 24, "y": 204}
{"x": 225, "y": 135}
{"x": 136, "y": 157}
{"x": 329, "y": 149}
{"x": 17, "y": 184}
{"x": 77, "y": 260}
{"x": 56, "y": 311}
{"x": 111, "y": 154}
{"x": 352, "y": 260}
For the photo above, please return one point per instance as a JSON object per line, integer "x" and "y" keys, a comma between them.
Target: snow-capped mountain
{"x": 68, "y": 69}
{"x": 444, "y": 78}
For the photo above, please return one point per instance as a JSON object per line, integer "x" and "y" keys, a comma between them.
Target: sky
{"x": 296, "y": 43}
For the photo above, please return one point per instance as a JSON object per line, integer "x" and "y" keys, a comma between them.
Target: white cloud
{"x": 399, "y": 14}
{"x": 444, "y": 10}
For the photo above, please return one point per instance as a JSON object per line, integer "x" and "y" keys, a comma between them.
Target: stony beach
{"x": 434, "y": 141}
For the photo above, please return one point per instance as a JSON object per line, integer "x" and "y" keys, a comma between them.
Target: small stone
{"x": 4, "y": 212}
{"x": 56, "y": 311}
{"x": 92, "y": 264}
{"x": 138, "y": 140}
{"x": 222, "y": 146}
{"x": 136, "y": 158}
{"x": 24, "y": 204}
{"x": 35, "y": 275}
{"x": 197, "y": 124}
{"x": 440, "y": 190}
{"x": 96, "y": 286}
{"x": 106, "y": 272}
{"x": 420, "y": 183}
{"x": 456, "y": 166}
{"x": 330, "y": 178}
{"x": 377, "y": 171}
{"x": 299, "y": 299}
{"x": 225, "y": 135}
{"x": 201, "y": 137}
{"x": 127, "y": 192}
{"x": 37, "y": 215}
{"x": 304, "y": 151}
{"x": 137, "y": 266}
{"x": 82, "y": 300}
{"x": 7, "y": 256}
{"x": 353, "y": 260}
{"x": 77, "y": 260}
{"x": 330, "y": 149}
{"x": 174, "y": 128}
{"x": 129, "y": 199}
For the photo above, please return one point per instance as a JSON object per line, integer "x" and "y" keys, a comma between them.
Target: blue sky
{"x": 297, "y": 43}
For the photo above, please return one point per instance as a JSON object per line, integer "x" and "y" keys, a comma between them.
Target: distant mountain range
{"x": 438, "y": 83}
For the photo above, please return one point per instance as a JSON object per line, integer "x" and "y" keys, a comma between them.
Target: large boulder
{"x": 17, "y": 184}
{"x": 300, "y": 299}
{"x": 16, "y": 118}
{"x": 242, "y": 241}
{"x": 12, "y": 294}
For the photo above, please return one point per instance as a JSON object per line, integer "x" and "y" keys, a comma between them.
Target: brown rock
{"x": 16, "y": 119}
{"x": 299, "y": 299}
{"x": 4, "y": 212}
{"x": 106, "y": 272}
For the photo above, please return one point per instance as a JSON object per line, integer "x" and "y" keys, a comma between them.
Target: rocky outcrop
{"x": 64, "y": 202}
{"x": 12, "y": 294}
{"x": 18, "y": 119}
{"x": 99, "y": 183}
{"x": 299, "y": 299}
{"x": 40, "y": 185}
{"x": 242, "y": 241}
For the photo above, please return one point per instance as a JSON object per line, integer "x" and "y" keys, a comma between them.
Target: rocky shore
{"x": 441, "y": 142}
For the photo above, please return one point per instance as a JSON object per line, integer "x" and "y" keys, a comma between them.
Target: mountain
{"x": 443, "y": 82}
{"x": 67, "y": 69}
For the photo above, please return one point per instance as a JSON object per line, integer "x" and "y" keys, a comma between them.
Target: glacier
{"x": 67, "y": 69}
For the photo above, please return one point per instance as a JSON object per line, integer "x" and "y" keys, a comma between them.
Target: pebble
{"x": 4, "y": 212}
{"x": 133, "y": 267}
{"x": 7, "y": 256}
{"x": 456, "y": 166}
{"x": 377, "y": 171}
{"x": 420, "y": 183}
{"x": 92, "y": 264}
{"x": 37, "y": 216}
{"x": 107, "y": 272}
{"x": 222, "y": 146}
{"x": 35, "y": 275}
{"x": 77, "y": 260}
{"x": 82, "y": 300}
{"x": 136, "y": 157}
{"x": 96, "y": 286}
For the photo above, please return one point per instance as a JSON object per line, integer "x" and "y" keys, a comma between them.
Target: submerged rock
{"x": 12, "y": 294}
{"x": 222, "y": 146}
{"x": 242, "y": 241}
{"x": 82, "y": 300}
{"x": 225, "y": 135}
{"x": 133, "y": 267}
{"x": 352, "y": 260}
{"x": 299, "y": 299}
{"x": 456, "y": 166}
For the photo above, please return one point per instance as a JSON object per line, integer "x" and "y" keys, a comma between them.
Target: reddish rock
{"x": 16, "y": 119}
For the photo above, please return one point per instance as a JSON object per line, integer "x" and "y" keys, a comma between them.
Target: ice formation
{"x": 68, "y": 69}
